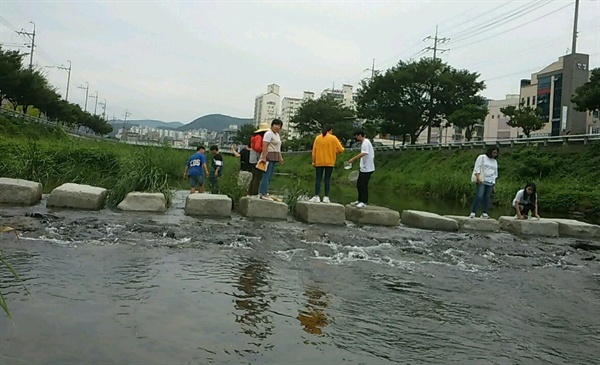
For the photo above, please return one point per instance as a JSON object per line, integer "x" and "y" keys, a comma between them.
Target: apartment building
{"x": 551, "y": 90}
{"x": 346, "y": 95}
{"x": 289, "y": 108}
{"x": 266, "y": 106}
{"x": 495, "y": 124}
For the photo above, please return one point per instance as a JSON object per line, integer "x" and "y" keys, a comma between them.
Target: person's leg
{"x": 366, "y": 187}
{"x": 479, "y": 190}
{"x": 358, "y": 181}
{"x": 200, "y": 184}
{"x": 487, "y": 197}
{"x": 328, "y": 172}
{"x": 255, "y": 182}
{"x": 193, "y": 184}
{"x": 319, "y": 176}
{"x": 266, "y": 178}
{"x": 526, "y": 209}
{"x": 360, "y": 184}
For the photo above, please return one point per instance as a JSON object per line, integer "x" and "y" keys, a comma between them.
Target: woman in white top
{"x": 486, "y": 174}
{"x": 271, "y": 153}
{"x": 526, "y": 201}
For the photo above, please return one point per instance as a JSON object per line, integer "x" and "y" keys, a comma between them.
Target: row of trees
{"x": 29, "y": 87}
{"x": 412, "y": 97}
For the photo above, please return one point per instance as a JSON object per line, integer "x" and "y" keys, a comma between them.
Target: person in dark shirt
{"x": 245, "y": 174}
{"x": 216, "y": 169}
{"x": 195, "y": 170}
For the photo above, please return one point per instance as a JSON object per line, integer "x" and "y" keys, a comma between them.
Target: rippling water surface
{"x": 111, "y": 288}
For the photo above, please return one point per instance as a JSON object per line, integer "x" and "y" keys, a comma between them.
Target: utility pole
{"x": 87, "y": 89}
{"x": 68, "y": 78}
{"x": 372, "y": 69}
{"x": 95, "y": 97}
{"x": 127, "y": 113}
{"x": 574, "y": 45}
{"x": 32, "y": 37}
{"x": 103, "y": 105}
{"x": 435, "y": 49}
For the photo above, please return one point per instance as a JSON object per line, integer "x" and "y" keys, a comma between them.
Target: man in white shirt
{"x": 367, "y": 167}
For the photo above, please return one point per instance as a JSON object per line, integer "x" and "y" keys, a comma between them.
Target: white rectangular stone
{"x": 77, "y": 196}
{"x": 529, "y": 227}
{"x": 208, "y": 205}
{"x": 575, "y": 228}
{"x": 143, "y": 202}
{"x": 19, "y": 192}
{"x": 254, "y": 207}
{"x": 475, "y": 224}
{"x": 372, "y": 215}
{"x": 321, "y": 213}
{"x": 427, "y": 220}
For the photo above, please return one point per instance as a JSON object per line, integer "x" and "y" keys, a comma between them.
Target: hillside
{"x": 215, "y": 122}
{"x": 147, "y": 123}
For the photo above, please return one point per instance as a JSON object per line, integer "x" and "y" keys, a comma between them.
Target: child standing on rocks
{"x": 196, "y": 169}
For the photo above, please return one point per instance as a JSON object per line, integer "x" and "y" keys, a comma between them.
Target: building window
{"x": 493, "y": 116}
{"x": 533, "y": 100}
{"x": 528, "y": 101}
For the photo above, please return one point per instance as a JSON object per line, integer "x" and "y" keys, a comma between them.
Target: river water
{"x": 114, "y": 288}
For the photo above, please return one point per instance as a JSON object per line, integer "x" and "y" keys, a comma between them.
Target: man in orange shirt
{"x": 324, "y": 153}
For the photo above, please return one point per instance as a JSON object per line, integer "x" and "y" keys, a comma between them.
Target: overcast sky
{"x": 178, "y": 60}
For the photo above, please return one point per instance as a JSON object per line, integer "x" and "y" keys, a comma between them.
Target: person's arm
{"x": 517, "y": 205}
{"x": 205, "y": 168}
{"x": 187, "y": 169}
{"x": 364, "y": 150}
{"x": 536, "y": 207}
{"x": 477, "y": 169}
{"x": 339, "y": 149}
{"x": 265, "y": 146}
{"x": 314, "y": 154}
{"x": 218, "y": 164}
{"x": 235, "y": 153}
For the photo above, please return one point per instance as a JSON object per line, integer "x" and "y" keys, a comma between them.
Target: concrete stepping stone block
{"x": 253, "y": 207}
{"x": 475, "y": 224}
{"x": 529, "y": 227}
{"x": 208, "y": 205}
{"x": 372, "y": 215}
{"x": 575, "y": 228}
{"x": 19, "y": 192}
{"x": 321, "y": 213}
{"x": 427, "y": 220}
{"x": 143, "y": 202}
{"x": 77, "y": 196}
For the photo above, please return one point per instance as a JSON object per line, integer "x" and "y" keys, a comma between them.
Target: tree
{"x": 587, "y": 96}
{"x": 243, "y": 135}
{"x": 411, "y": 96}
{"x": 313, "y": 115}
{"x": 10, "y": 67}
{"x": 526, "y": 118}
{"x": 469, "y": 116}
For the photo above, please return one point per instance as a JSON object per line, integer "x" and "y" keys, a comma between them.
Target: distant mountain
{"x": 215, "y": 122}
{"x": 147, "y": 123}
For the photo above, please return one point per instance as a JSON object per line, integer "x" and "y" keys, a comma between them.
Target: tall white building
{"x": 289, "y": 108}
{"x": 494, "y": 126}
{"x": 266, "y": 106}
{"x": 346, "y": 95}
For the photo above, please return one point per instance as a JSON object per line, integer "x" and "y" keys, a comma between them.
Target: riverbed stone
{"x": 254, "y": 207}
{"x": 77, "y": 196}
{"x": 208, "y": 205}
{"x": 427, "y": 220}
{"x": 19, "y": 192}
{"x": 475, "y": 224}
{"x": 372, "y": 215}
{"x": 575, "y": 228}
{"x": 529, "y": 227}
{"x": 143, "y": 202}
{"x": 321, "y": 213}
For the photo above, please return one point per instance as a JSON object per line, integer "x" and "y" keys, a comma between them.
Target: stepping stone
{"x": 372, "y": 215}
{"x": 143, "y": 202}
{"x": 321, "y": 213}
{"x": 529, "y": 227}
{"x": 575, "y": 228}
{"x": 427, "y": 220}
{"x": 77, "y": 196}
{"x": 475, "y": 224}
{"x": 254, "y": 207}
{"x": 208, "y": 205}
{"x": 19, "y": 192}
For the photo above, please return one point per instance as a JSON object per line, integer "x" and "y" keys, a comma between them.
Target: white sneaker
{"x": 315, "y": 199}
{"x": 326, "y": 199}
{"x": 485, "y": 216}
{"x": 354, "y": 203}
{"x": 361, "y": 205}
{"x": 472, "y": 215}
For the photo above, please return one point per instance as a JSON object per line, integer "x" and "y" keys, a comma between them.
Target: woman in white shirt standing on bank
{"x": 271, "y": 153}
{"x": 486, "y": 174}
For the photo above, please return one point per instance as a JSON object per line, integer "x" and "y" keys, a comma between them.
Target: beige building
{"x": 346, "y": 95}
{"x": 289, "y": 108}
{"x": 266, "y": 106}
{"x": 551, "y": 89}
{"x": 495, "y": 124}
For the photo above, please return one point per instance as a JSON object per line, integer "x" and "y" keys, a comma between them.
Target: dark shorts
{"x": 196, "y": 180}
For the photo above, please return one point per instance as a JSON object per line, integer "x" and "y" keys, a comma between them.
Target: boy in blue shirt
{"x": 196, "y": 169}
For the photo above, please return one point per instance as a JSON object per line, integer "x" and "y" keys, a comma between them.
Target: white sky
{"x": 178, "y": 60}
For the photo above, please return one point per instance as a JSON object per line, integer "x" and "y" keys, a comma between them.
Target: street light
{"x": 87, "y": 89}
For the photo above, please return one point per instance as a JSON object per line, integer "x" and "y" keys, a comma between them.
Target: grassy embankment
{"x": 566, "y": 176}
{"x": 48, "y": 155}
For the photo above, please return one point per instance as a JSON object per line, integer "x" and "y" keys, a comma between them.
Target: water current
{"x": 115, "y": 288}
